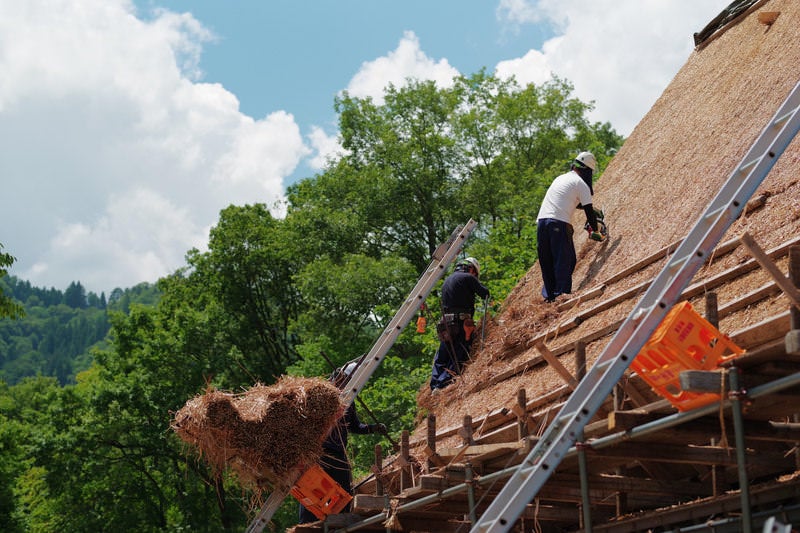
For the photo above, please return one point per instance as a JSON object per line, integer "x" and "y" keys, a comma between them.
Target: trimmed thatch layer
{"x": 263, "y": 433}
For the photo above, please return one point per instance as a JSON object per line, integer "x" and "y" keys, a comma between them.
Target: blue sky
{"x": 300, "y": 54}
{"x": 126, "y": 126}
{"x": 303, "y": 52}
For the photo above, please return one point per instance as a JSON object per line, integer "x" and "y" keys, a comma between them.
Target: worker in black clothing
{"x": 334, "y": 450}
{"x": 456, "y": 325}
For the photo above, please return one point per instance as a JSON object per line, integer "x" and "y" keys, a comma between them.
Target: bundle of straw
{"x": 263, "y": 433}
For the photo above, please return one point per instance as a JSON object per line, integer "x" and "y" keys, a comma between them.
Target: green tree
{"x": 25, "y": 503}
{"x": 338, "y": 212}
{"x": 103, "y": 454}
{"x": 51, "y": 341}
{"x": 247, "y": 274}
{"x": 8, "y": 307}
{"x": 341, "y": 316}
{"x": 406, "y": 146}
{"x": 75, "y": 296}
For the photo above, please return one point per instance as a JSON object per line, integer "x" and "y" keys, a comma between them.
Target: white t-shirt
{"x": 563, "y": 196}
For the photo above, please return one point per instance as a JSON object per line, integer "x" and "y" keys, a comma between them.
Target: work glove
{"x": 598, "y": 213}
{"x": 597, "y": 236}
{"x": 378, "y": 428}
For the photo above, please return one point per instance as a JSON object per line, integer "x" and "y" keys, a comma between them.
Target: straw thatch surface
{"x": 653, "y": 191}
{"x": 263, "y": 433}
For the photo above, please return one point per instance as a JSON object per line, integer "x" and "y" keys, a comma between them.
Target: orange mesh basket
{"x": 319, "y": 493}
{"x": 683, "y": 341}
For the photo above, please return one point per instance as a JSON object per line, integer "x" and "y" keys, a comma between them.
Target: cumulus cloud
{"x": 115, "y": 159}
{"x": 142, "y": 233}
{"x": 326, "y": 148}
{"x": 406, "y": 61}
{"x": 619, "y": 54}
{"x": 533, "y": 67}
{"x": 516, "y": 12}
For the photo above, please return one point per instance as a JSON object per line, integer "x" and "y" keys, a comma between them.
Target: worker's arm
{"x": 355, "y": 425}
{"x": 477, "y": 288}
{"x": 594, "y": 220}
{"x": 591, "y": 217}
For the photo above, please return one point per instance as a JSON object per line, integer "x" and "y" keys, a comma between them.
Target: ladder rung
{"x": 744, "y": 167}
{"x": 562, "y": 419}
{"x": 679, "y": 262}
{"x": 639, "y": 313}
{"x": 715, "y": 213}
{"x": 600, "y": 367}
{"x": 786, "y": 116}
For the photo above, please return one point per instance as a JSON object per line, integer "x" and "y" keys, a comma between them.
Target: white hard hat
{"x": 471, "y": 261}
{"x": 349, "y": 368}
{"x": 587, "y": 159}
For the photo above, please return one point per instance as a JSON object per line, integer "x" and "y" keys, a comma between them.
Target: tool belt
{"x": 449, "y": 325}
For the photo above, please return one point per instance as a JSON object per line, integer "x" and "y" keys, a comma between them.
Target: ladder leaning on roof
{"x": 441, "y": 259}
{"x": 662, "y": 294}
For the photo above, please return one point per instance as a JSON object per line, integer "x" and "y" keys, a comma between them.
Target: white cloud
{"x": 326, "y": 147}
{"x": 619, "y": 54}
{"x": 517, "y": 12}
{"x": 533, "y": 67}
{"x": 115, "y": 159}
{"x": 406, "y": 61}
{"x": 262, "y": 152}
{"x": 141, "y": 233}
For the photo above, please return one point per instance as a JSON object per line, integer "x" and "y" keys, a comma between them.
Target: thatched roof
{"x": 653, "y": 191}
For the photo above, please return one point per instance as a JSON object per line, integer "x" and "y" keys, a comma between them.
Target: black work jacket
{"x": 336, "y": 442}
{"x": 459, "y": 290}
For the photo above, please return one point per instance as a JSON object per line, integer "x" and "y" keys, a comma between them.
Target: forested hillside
{"x": 58, "y": 331}
{"x": 273, "y": 296}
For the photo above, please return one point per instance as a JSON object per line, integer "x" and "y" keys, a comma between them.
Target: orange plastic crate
{"x": 683, "y": 341}
{"x": 319, "y": 493}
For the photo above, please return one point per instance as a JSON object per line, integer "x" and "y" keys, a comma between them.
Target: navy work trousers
{"x": 450, "y": 358}
{"x": 557, "y": 258}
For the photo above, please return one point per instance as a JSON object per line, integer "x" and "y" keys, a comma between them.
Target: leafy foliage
{"x": 8, "y": 307}
{"x": 90, "y": 449}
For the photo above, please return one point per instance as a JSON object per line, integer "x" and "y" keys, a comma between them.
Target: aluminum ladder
{"x": 645, "y": 317}
{"x": 441, "y": 259}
